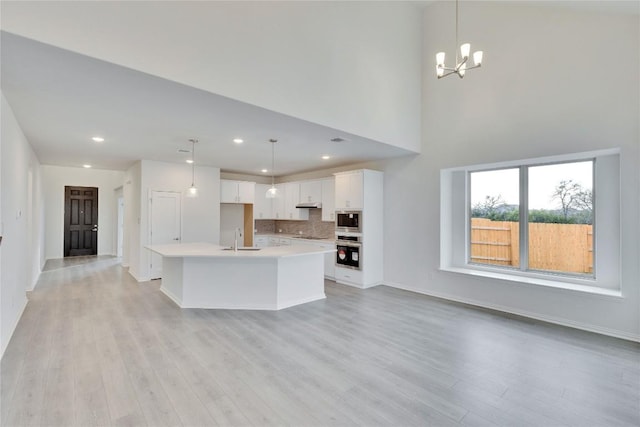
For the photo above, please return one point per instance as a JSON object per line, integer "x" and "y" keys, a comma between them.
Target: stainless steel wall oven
{"x": 349, "y": 251}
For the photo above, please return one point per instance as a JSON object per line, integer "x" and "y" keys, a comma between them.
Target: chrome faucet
{"x": 235, "y": 239}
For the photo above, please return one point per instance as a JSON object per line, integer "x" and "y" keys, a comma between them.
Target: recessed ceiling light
{"x": 86, "y": 166}
{"x": 264, "y": 171}
{"x": 338, "y": 139}
{"x": 189, "y": 161}
{"x": 98, "y": 139}
{"x": 238, "y": 140}
{"x": 325, "y": 157}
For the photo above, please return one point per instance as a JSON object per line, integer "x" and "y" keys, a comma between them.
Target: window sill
{"x": 536, "y": 281}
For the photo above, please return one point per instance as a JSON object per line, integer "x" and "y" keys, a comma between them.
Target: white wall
{"x": 200, "y": 216}
{"x": 55, "y": 178}
{"x": 543, "y": 90}
{"x": 21, "y": 216}
{"x": 353, "y": 66}
{"x": 132, "y": 200}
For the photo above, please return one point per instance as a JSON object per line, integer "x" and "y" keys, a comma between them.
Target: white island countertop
{"x": 209, "y": 250}
{"x": 204, "y": 275}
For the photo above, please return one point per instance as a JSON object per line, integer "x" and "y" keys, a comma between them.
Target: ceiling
{"x": 62, "y": 99}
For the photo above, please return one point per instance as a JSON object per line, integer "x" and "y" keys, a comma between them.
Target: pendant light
{"x": 461, "y": 59}
{"x": 193, "y": 190}
{"x": 273, "y": 191}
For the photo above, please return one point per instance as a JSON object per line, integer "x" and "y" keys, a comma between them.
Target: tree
{"x": 575, "y": 202}
{"x": 566, "y": 192}
{"x": 488, "y": 207}
{"x": 584, "y": 200}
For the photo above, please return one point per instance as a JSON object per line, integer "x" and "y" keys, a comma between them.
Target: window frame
{"x": 606, "y": 183}
{"x": 523, "y": 220}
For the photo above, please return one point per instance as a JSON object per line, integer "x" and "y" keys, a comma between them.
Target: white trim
{"x": 549, "y": 319}
{"x": 35, "y": 281}
{"x": 271, "y": 307}
{"x": 564, "y": 283}
{"x": 291, "y": 303}
{"x": 172, "y": 297}
{"x": 454, "y": 254}
{"x": 5, "y": 345}
{"x": 358, "y": 285}
{"x": 562, "y": 158}
{"x": 540, "y": 279}
{"x": 138, "y": 279}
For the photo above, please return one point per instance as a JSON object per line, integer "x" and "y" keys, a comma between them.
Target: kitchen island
{"x": 204, "y": 275}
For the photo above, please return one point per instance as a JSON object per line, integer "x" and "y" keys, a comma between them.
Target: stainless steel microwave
{"x": 349, "y": 221}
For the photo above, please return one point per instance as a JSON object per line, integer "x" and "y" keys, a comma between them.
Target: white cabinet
{"x": 237, "y": 191}
{"x": 292, "y": 198}
{"x": 329, "y": 261}
{"x": 364, "y": 190}
{"x": 311, "y": 191}
{"x": 329, "y": 258}
{"x": 262, "y": 206}
{"x": 349, "y": 190}
{"x": 279, "y": 206}
{"x": 328, "y": 199}
{"x": 261, "y": 241}
{"x": 279, "y": 241}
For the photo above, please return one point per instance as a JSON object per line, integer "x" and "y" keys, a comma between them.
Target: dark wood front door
{"x": 80, "y": 221}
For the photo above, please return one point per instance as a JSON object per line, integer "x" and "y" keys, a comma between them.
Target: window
{"x": 557, "y": 227}
{"x": 495, "y": 207}
{"x": 534, "y": 221}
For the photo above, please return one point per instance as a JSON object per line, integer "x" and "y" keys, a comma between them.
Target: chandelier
{"x": 462, "y": 58}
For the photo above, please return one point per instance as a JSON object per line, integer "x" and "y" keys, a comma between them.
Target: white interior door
{"x": 164, "y": 208}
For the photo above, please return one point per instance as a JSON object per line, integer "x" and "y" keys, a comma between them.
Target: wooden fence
{"x": 552, "y": 247}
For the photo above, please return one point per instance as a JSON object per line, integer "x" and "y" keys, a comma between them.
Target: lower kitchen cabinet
{"x": 348, "y": 276}
{"x": 329, "y": 258}
{"x": 261, "y": 241}
{"x": 330, "y": 263}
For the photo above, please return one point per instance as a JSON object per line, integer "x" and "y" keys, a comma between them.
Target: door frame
{"x": 66, "y": 244}
{"x": 150, "y": 223}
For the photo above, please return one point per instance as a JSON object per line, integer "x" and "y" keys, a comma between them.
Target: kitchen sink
{"x": 242, "y": 249}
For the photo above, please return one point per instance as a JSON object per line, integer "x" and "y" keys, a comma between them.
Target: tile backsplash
{"x": 314, "y": 226}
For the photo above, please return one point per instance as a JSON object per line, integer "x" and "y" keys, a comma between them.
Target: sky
{"x": 542, "y": 183}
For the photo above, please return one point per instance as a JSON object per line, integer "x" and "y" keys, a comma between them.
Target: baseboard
{"x": 35, "y": 282}
{"x": 13, "y": 329}
{"x": 358, "y": 285}
{"x": 288, "y": 304}
{"x": 549, "y": 319}
{"x": 172, "y": 297}
{"x": 138, "y": 279}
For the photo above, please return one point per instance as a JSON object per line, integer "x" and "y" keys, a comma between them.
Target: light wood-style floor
{"x": 96, "y": 348}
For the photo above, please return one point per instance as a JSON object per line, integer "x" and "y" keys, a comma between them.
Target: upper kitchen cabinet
{"x": 292, "y": 198}
{"x": 349, "y": 190}
{"x": 262, "y": 206}
{"x": 311, "y": 192}
{"x": 328, "y": 199}
{"x": 358, "y": 190}
{"x": 237, "y": 191}
{"x": 279, "y": 209}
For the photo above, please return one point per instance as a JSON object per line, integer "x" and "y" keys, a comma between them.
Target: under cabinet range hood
{"x": 309, "y": 205}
